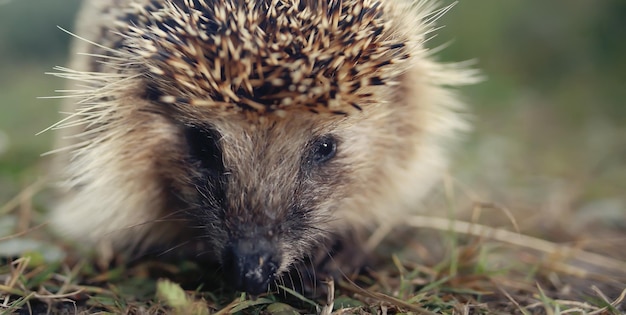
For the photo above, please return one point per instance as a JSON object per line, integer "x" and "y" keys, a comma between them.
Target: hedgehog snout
{"x": 251, "y": 264}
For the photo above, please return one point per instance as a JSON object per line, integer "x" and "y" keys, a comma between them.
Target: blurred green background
{"x": 550, "y": 120}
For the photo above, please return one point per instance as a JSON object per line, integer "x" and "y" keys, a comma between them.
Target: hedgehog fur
{"x": 262, "y": 129}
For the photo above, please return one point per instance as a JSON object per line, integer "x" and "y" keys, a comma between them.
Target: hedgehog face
{"x": 264, "y": 90}
{"x": 267, "y": 123}
{"x": 266, "y": 196}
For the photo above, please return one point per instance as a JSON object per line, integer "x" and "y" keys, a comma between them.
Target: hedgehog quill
{"x": 268, "y": 131}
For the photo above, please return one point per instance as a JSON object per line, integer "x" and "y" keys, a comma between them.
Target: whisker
{"x": 314, "y": 275}
{"x": 173, "y": 248}
{"x": 290, "y": 280}
{"x": 204, "y": 252}
{"x": 281, "y": 279}
{"x": 299, "y": 272}
{"x": 169, "y": 217}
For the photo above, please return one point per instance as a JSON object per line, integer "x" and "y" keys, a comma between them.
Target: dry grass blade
{"x": 330, "y": 297}
{"x": 517, "y": 239}
{"x": 510, "y": 298}
{"x": 24, "y": 232}
{"x": 353, "y": 287}
{"x": 241, "y": 303}
{"x": 610, "y": 305}
{"x": 26, "y": 194}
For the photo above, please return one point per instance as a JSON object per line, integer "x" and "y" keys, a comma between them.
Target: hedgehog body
{"x": 263, "y": 129}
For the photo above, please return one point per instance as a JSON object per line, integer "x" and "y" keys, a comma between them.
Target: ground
{"x": 531, "y": 219}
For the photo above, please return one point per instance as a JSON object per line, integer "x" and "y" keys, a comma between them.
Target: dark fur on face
{"x": 260, "y": 194}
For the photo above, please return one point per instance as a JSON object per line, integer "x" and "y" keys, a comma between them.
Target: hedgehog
{"x": 265, "y": 132}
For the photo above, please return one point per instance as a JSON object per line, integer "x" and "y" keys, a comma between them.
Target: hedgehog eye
{"x": 204, "y": 148}
{"x": 324, "y": 149}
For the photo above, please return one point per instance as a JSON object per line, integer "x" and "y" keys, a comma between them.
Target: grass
{"x": 537, "y": 196}
{"x": 433, "y": 266}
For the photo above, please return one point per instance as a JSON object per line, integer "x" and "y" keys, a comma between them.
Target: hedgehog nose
{"x": 251, "y": 265}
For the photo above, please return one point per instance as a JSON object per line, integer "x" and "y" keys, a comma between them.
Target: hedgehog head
{"x": 269, "y": 193}
{"x": 268, "y": 124}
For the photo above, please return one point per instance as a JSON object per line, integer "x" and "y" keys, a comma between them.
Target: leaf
{"x": 172, "y": 294}
{"x": 281, "y": 309}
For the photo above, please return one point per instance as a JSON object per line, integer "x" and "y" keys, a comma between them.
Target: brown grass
{"x": 433, "y": 266}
